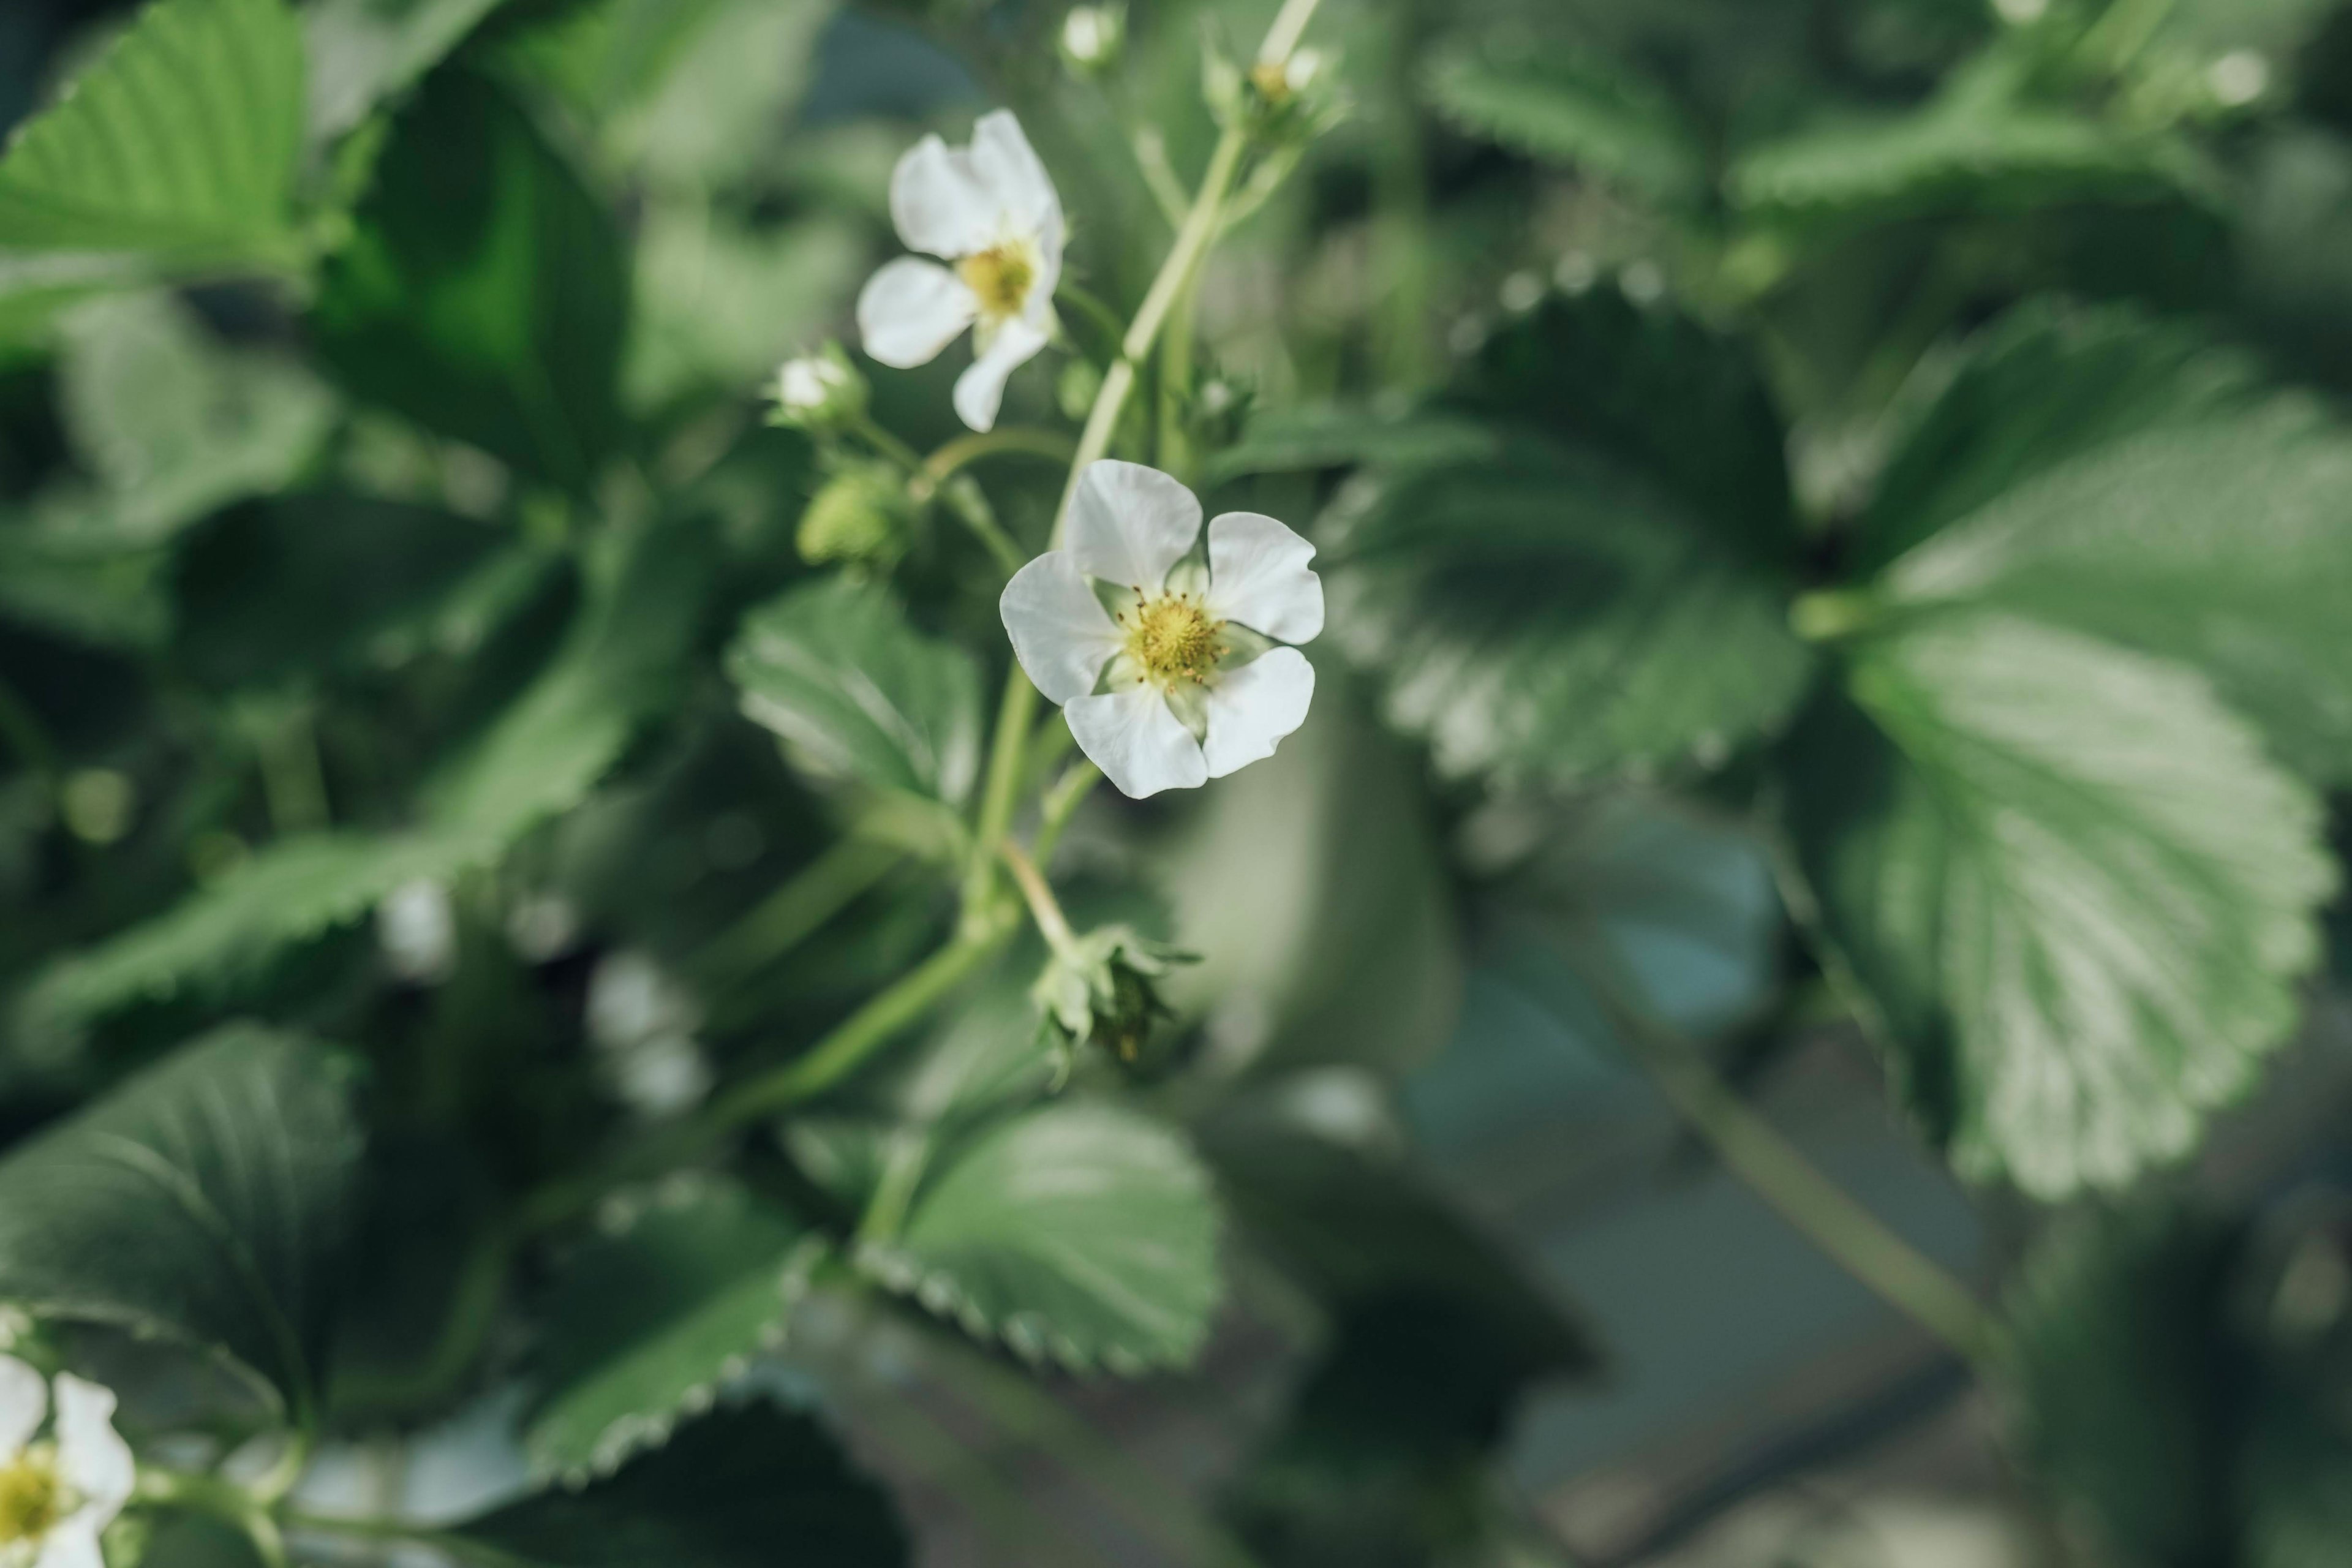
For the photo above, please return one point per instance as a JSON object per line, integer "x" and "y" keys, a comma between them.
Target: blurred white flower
{"x": 2239, "y": 77}
{"x": 1092, "y": 36}
{"x": 418, "y": 931}
{"x": 56, "y": 1493}
{"x": 816, "y": 389}
{"x": 1196, "y": 684}
{"x": 990, "y": 210}
{"x": 642, "y": 1023}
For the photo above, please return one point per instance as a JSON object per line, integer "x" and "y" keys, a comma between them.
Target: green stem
{"x": 225, "y": 1501}
{"x": 886, "y": 444}
{"x": 1754, "y": 1151}
{"x": 1106, "y": 320}
{"x": 967, "y": 449}
{"x": 909, "y": 1156}
{"x": 1062, "y": 804}
{"x": 798, "y": 909}
{"x": 866, "y": 1031}
{"x": 293, "y": 781}
{"x": 1044, "y": 907}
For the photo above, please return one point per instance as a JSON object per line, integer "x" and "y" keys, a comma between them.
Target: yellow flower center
{"x": 1173, "y": 639}
{"x": 32, "y": 1496}
{"x": 1001, "y": 277}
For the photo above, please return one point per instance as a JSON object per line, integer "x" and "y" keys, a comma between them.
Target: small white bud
{"x": 417, "y": 931}
{"x": 818, "y": 390}
{"x": 2021, "y": 13}
{"x": 1092, "y": 37}
{"x": 2239, "y": 77}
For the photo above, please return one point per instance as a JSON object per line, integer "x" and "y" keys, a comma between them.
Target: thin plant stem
{"x": 799, "y": 909}
{"x": 1158, "y": 174}
{"x": 1107, "y": 321}
{"x": 1062, "y": 802}
{"x": 965, "y": 450}
{"x": 1038, "y": 894}
{"x": 1754, "y": 1149}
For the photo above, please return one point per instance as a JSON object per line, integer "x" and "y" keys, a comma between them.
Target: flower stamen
{"x": 33, "y": 1496}
{"x": 1000, "y": 278}
{"x": 1173, "y": 639}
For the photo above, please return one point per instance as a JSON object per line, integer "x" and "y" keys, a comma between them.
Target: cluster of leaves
{"x": 1913, "y": 468}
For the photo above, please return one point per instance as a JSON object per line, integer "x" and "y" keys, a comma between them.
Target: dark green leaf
{"x": 1078, "y": 1232}
{"x": 294, "y": 586}
{"x": 204, "y": 1202}
{"x": 542, "y": 756}
{"x": 2075, "y": 894}
{"x": 1289, "y": 440}
{"x": 1552, "y": 617}
{"x": 722, "y": 304}
{"x": 2143, "y": 492}
{"x": 858, "y": 694}
{"x": 745, "y": 1487}
{"x": 1583, "y": 112}
{"x": 1655, "y": 390}
{"x": 669, "y": 1302}
{"x": 183, "y": 142}
{"x": 484, "y": 293}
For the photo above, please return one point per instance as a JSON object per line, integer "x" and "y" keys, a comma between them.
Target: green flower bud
{"x": 1105, "y": 991}
{"x": 862, "y": 514}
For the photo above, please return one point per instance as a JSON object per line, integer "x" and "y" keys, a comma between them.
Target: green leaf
{"x": 78, "y": 584}
{"x": 2112, "y": 1356}
{"x": 1291, "y": 441}
{"x": 1582, "y": 112}
{"x": 719, "y": 111}
{"x": 182, "y": 141}
{"x": 172, "y": 422}
{"x": 1982, "y": 145}
{"x": 1079, "y": 1232}
{"x": 1550, "y": 615}
{"x": 484, "y": 293}
{"x": 858, "y": 694}
{"x": 1655, "y": 390}
{"x": 670, "y": 1301}
{"x": 540, "y": 757}
{"x": 2074, "y": 893}
{"x": 745, "y": 1487}
{"x": 2164, "y": 504}
{"x": 201, "y": 1202}
{"x": 722, "y": 304}
{"x": 2043, "y": 386}
{"x": 364, "y": 52}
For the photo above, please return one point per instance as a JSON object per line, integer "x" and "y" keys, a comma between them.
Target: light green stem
{"x": 795, "y": 911}
{"x": 1754, "y": 1151}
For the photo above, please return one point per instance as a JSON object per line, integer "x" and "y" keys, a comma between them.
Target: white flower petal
{"x": 94, "y": 1457}
{"x": 980, "y": 390}
{"x": 941, "y": 203}
{"x": 1059, "y": 630}
{"x": 24, "y": 1402}
{"x": 1258, "y": 575}
{"x": 1129, "y": 524}
{"x": 1140, "y": 745}
{"x": 912, "y": 309}
{"x": 73, "y": 1544}
{"x": 1009, "y": 170}
{"x": 1253, "y": 707}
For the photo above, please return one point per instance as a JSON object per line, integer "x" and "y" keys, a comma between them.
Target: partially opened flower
{"x": 1186, "y": 651}
{"x": 990, "y": 210}
{"x": 57, "y": 1491}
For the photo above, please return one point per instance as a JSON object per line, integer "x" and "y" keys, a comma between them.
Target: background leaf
{"x": 733, "y": 1491}
{"x": 1551, "y": 616}
{"x": 182, "y": 141}
{"x": 204, "y": 1202}
{"x": 1080, "y": 1232}
{"x": 1580, "y": 112}
{"x": 484, "y": 297}
{"x": 668, "y": 1302}
{"x": 858, "y": 694}
{"x": 2072, "y": 887}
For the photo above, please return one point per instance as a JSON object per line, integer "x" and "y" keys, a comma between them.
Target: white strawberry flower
{"x": 58, "y": 1492}
{"x": 1195, "y": 680}
{"x": 991, "y": 211}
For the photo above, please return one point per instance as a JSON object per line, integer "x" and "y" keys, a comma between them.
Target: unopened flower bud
{"x": 818, "y": 391}
{"x": 1105, "y": 991}
{"x": 861, "y": 514}
{"x": 1092, "y": 37}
